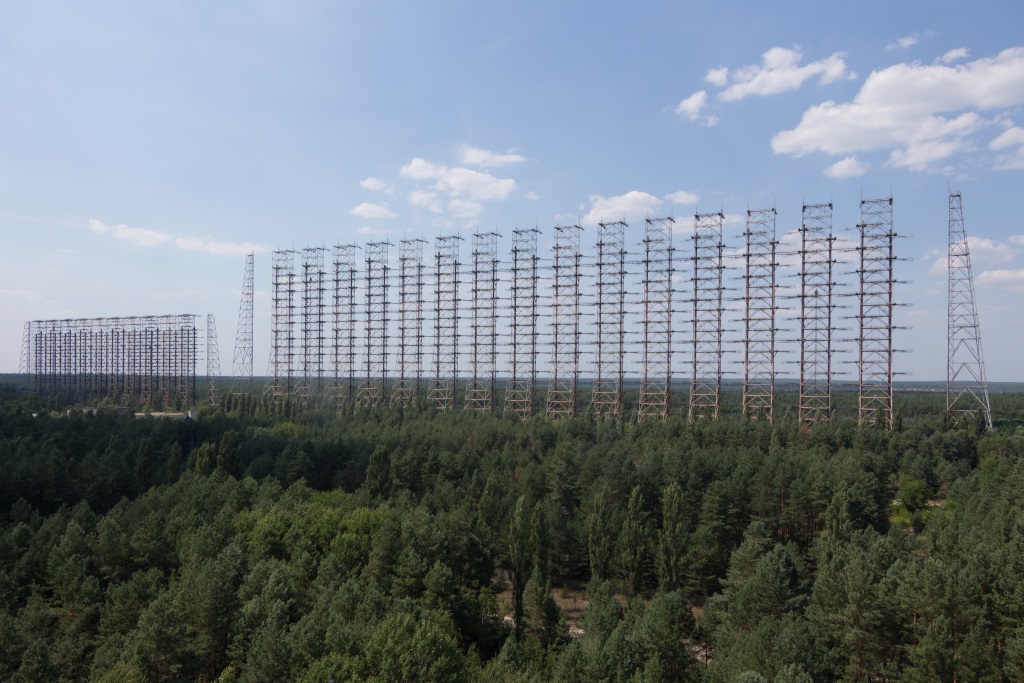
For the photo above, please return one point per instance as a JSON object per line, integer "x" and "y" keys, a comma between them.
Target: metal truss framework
{"x": 563, "y": 387}
{"x": 759, "y": 316}
{"x": 147, "y": 360}
{"x": 373, "y": 391}
{"x": 242, "y": 362}
{"x": 876, "y": 304}
{"x": 282, "y": 326}
{"x": 816, "y": 307}
{"x": 212, "y": 359}
{"x": 610, "y": 332}
{"x": 410, "y": 322}
{"x": 520, "y": 391}
{"x": 310, "y": 385}
{"x": 446, "y": 323}
{"x": 966, "y": 383}
{"x": 706, "y": 364}
{"x": 656, "y": 379}
{"x": 481, "y": 392}
{"x": 342, "y": 389}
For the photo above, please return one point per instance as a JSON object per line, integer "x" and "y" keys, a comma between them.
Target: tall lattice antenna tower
{"x": 282, "y": 326}
{"x": 481, "y": 390}
{"x": 25, "y": 366}
{"x": 759, "y": 351}
{"x": 520, "y": 391}
{"x": 563, "y": 386}
{"x": 410, "y": 321}
{"x": 655, "y": 384}
{"x": 816, "y": 307}
{"x": 241, "y": 364}
{"x": 446, "y": 322}
{"x": 313, "y": 314}
{"x": 876, "y": 304}
{"x": 373, "y": 391}
{"x": 345, "y": 321}
{"x": 212, "y": 359}
{"x": 706, "y": 364}
{"x": 610, "y": 332}
{"x": 966, "y": 383}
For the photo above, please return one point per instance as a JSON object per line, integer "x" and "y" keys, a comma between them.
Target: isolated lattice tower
{"x": 345, "y": 320}
{"x": 313, "y": 318}
{"x": 966, "y": 383}
{"x": 481, "y": 390}
{"x": 656, "y": 380}
{"x": 446, "y": 322}
{"x": 520, "y": 391}
{"x": 410, "y": 321}
{"x": 563, "y": 386}
{"x": 241, "y": 364}
{"x": 706, "y": 363}
{"x": 876, "y": 304}
{"x": 610, "y": 324}
{"x": 282, "y": 326}
{"x": 373, "y": 391}
{"x": 212, "y": 358}
{"x": 761, "y": 264}
{"x": 816, "y": 307}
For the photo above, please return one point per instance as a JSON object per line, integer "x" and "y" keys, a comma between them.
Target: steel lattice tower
{"x": 706, "y": 363}
{"x": 410, "y": 322}
{"x": 241, "y": 364}
{"x": 373, "y": 391}
{"x": 875, "y": 299}
{"x": 25, "y": 366}
{"x": 520, "y": 392}
{"x": 657, "y": 327}
{"x": 346, "y": 326}
{"x": 816, "y": 306}
{"x": 966, "y": 383}
{"x": 563, "y": 387}
{"x": 761, "y": 264}
{"x": 282, "y": 326}
{"x": 610, "y": 325}
{"x": 212, "y": 358}
{"x": 481, "y": 391}
{"x": 313, "y": 277}
{"x": 446, "y": 322}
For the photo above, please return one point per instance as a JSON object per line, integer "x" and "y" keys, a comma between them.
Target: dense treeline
{"x": 414, "y": 545}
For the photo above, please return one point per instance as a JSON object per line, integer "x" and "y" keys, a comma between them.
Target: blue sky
{"x": 145, "y": 147}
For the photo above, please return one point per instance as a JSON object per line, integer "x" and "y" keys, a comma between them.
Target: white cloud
{"x": 25, "y": 294}
{"x": 1011, "y": 143}
{"x": 692, "y": 105}
{"x": 631, "y": 206}
{"x": 1011, "y": 137}
{"x": 460, "y": 182}
{"x": 719, "y": 76}
{"x": 1012, "y": 280}
{"x": 1016, "y": 239}
{"x": 376, "y": 185}
{"x": 426, "y": 199}
{"x": 954, "y": 55}
{"x": 140, "y": 236}
{"x": 847, "y": 167}
{"x": 682, "y": 197}
{"x": 780, "y": 71}
{"x": 368, "y": 210}
{"x": 468, "y": 211}
{"x": 905, "y": 108}
{"x": 903, "y": 43}
{"x": 532, "y": 195}
{"x": 474, "y": 156}
{"x": 144, "y": 237}
{"x": 218, "y": 248}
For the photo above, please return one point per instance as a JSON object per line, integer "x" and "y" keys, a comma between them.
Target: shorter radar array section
{"x": 147, "y": 360}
